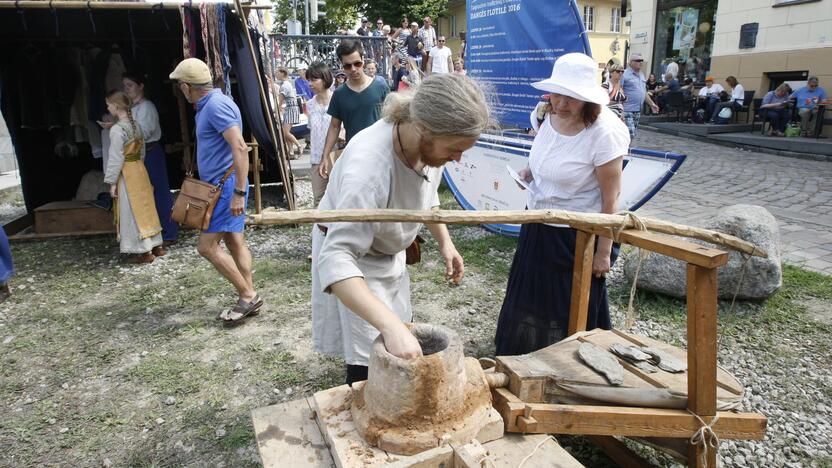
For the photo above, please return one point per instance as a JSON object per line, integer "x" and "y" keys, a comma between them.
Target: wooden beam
{"x": 702, "y": 320}
{"x": 583, "y": 221}
{"x": 618, "y": 451}
{"x": 581, "y": 282}
{"x": 255, "y": 171}
{"x": 676, "y": 248}
{"x": 626, "y": 421}
{"x": 509, "y": 406}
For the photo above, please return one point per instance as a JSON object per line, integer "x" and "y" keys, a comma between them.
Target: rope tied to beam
{"x": 705, "y": 436}
{"x": 629, "y": 219}
{"x": 746, "y": 259}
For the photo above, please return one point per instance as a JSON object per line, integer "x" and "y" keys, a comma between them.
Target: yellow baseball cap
{"x": 192, "y": 71}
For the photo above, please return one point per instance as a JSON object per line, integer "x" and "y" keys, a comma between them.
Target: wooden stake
{"x": 584, "y": 221}
{"x": 255, "y": 163}
{"x": 285, "y": 172}
{"x": 702, "y": 319}
{"x": 581, "y": 281}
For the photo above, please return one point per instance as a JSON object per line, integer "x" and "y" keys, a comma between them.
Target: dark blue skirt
{"x": 535, "y": 311}
{"x": 157, "y": 171}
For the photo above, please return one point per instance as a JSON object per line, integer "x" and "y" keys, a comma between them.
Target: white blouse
{"x": 145, "y": 114}
{"x": 318, "y": 126}
{"x": 564, "y": 166}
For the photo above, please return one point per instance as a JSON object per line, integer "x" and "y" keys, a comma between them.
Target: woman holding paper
{"x": 575, "y": 164}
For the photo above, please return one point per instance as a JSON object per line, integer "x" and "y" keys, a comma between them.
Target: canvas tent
{"x": 56, "y": 65}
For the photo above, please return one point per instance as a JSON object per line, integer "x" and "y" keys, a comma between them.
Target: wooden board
{"x": 289, "y": 432}
{"x": 512, "y": 448}
{"x": 72, "y": 216}
{"x": 287, "y": 435}
{"x": 349, "y": 449}
{"x": 530, "y": 375}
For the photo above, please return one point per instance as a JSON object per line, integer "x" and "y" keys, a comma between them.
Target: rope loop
{"x": 705, "y": 436}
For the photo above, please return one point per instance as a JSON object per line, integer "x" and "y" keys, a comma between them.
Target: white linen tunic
{"x": 146, "y": 115}
{"x": 367, "y": 175}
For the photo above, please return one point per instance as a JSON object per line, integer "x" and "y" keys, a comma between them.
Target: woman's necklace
{"x": 404, "y": 155}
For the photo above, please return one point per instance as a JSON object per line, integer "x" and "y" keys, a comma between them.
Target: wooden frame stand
{"x": 523, "y": 407}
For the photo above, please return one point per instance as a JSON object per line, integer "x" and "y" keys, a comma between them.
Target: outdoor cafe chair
{"x": 746, "y": 106}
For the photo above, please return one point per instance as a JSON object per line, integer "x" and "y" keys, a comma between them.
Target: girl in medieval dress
{"x": 155, "y": 160}
{"x": 137, "y": 223}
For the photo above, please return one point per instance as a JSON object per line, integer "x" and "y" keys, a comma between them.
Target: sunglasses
{"x": 618, "y": 71}
{"x": 350, "y": 66}
{"x": 638, "y": 60}
{"x": 441, "y": 40}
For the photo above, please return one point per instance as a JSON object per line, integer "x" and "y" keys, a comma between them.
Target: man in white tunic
{"x": 360, "y": 286}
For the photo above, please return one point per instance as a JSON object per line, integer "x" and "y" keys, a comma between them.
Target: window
{"x": 589, "y": 18}
{"x": 615, "y": 20}
{"x": 453, "y": 25}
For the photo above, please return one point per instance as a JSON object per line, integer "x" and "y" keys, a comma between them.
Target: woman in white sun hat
{"x": 575, "y": 164}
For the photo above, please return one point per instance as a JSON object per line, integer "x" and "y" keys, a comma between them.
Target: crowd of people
{"x": 709, "y": 102}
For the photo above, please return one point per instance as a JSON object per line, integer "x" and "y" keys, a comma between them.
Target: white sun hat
{"x": 573, "y": 75}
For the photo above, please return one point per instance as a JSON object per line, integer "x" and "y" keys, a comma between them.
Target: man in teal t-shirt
{"x": 357, "y": 104}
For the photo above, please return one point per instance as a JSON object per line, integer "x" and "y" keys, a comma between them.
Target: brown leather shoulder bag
{"x": 196, "y": 201}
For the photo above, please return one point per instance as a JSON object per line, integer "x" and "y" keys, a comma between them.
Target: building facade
{"x": 607, "y": 30}
{"x": 452, "y": 25}
{"x": 760, "y": 42}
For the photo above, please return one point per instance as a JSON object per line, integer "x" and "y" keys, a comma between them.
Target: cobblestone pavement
{"x": 797, "y": 192}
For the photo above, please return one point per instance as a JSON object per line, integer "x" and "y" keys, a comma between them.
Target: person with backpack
{"x": 137, "y": 222}
{"x": 733, "y": 103}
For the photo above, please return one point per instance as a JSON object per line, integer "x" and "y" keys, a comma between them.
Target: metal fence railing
{"x": 292, "y": 51}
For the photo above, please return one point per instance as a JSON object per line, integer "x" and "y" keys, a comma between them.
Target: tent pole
{"x": 288, "y": 183}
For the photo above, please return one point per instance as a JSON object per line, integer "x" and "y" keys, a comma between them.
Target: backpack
{"x": 724, "y": 116}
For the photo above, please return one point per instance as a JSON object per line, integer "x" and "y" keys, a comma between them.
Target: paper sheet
{"x": 514, "y": 175}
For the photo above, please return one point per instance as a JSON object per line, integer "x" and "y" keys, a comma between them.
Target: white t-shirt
{"x": 738, "y": 94}
{"x": 439, "y": 59}
{"x": 712, "y": 90}
{"x": 564, "y": 166}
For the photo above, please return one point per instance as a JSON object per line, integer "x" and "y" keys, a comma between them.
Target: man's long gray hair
{"x": 445, "y": 105}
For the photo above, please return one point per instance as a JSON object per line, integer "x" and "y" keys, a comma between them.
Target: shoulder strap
{"x": 226, "y": 176}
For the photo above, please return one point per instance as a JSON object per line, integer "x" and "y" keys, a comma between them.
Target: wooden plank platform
{"x": 75, "y": 217}
{"x": 289, "y": 435}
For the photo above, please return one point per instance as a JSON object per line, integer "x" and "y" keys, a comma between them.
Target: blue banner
{"x": 513, "y": 43}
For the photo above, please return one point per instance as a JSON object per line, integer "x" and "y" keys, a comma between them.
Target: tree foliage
{"x": 342, "y": 14}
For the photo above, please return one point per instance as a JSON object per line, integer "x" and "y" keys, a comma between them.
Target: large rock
{"x": 762, "y": 277}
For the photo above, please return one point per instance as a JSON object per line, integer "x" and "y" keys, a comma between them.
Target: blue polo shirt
{"x": 215, "y": 113}
{"x": 635, "y": 88}
{"x": 808, "y": 99}
{"x": 303, "y": 89}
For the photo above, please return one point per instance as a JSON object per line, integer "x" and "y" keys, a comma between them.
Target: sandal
{"x": 159, "y": 251}
{"x": 244, "y": 309}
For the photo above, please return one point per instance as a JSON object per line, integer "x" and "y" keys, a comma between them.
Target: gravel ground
{"x": 103, "y": 363}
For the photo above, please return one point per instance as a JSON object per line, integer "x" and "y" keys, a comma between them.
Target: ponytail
{"x": 132, "y": 122}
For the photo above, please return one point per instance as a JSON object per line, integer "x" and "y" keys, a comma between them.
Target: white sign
{"x": 640, "y": 38}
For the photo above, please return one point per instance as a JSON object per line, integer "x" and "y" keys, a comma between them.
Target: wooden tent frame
{"x": 242, "y": 9}
{"x": 521, "y": 403}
